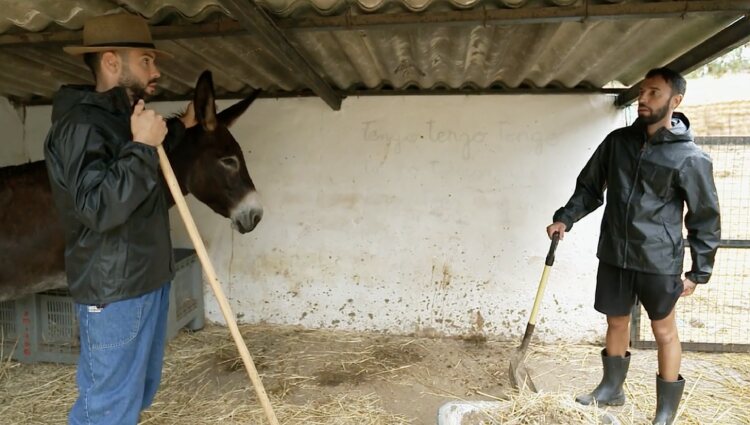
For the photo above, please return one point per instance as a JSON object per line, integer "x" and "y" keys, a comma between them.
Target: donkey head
{"x": 209, "y": 162}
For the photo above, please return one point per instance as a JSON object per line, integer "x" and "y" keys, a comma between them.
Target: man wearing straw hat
{"x": 651, "y": 170}
{"x": 104, "y": 170}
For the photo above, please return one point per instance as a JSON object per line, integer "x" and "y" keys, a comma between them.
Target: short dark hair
{"x": 673, "y": 78}
{"x": 93, "y": 61}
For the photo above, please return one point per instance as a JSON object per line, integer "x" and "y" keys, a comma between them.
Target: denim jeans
{"x": 122, "y": 348}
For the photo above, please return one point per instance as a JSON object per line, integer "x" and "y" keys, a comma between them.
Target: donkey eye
{"x": 231, "y": 163}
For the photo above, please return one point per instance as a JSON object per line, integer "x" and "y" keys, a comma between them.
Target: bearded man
{"x": 651, "y": 171}
{"x": 103, "y": 167}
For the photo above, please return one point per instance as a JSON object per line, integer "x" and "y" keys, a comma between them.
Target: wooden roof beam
{"x": 254, "y": 19}
{"x": 720, "y": 44}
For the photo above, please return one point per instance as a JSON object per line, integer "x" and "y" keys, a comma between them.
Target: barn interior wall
{"x": 420, "y": 214}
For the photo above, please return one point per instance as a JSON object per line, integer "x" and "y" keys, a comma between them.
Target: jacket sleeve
{"x": 703, "y": 222}
{"x": 106, "y": 186}
{"x": 589, "y": 191}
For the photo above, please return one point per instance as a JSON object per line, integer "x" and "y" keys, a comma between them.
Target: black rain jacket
{"x": 648, "y": 184}
{"x": 109, "y": 193}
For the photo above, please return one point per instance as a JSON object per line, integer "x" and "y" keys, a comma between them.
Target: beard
{"x": 656, "y": 115}
{"x": 136, "y": 88}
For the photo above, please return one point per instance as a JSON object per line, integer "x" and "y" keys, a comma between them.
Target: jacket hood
{"x": 114, "y": 100}
{"x": 679, "y": 133}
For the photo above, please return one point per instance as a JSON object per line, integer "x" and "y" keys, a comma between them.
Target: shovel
{"x": 519, "y": 376}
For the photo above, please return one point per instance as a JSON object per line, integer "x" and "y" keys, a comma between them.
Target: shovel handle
{"x": 540, "y": 291}
{"x": 213, "y": 281}
{"x": 552, "y": 247}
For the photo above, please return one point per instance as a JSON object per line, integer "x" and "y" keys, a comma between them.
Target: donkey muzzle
{"x": 247, "y": 214}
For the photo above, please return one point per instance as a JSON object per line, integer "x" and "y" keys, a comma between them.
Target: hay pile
{"x": 291, "y": 358}
{"x": 332, "y": 377}
{"x": 717, "y": 388}
{"x": 233, "y": 408}
{"x": 527, "y": 408}
{"x": 205, "y": 383}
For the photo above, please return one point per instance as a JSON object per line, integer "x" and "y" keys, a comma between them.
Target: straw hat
{"x": 114, "y": 32}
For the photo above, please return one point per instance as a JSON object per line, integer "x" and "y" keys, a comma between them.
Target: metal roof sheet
{"x": 407, "y": 46}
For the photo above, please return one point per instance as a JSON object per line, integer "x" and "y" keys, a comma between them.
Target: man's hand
{"x": 188, "y": 118}
{"x": 689, "y": 287}
{"x": 147, "y": 126}
{"x": 556, "y": 227}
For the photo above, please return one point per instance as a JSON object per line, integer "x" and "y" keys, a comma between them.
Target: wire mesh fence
{"x": 717, "y": 316}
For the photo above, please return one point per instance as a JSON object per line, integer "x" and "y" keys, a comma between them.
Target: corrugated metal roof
{"x": 516, "y": 43}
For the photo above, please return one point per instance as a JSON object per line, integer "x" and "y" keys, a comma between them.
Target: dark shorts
{"x": 617, "y": 291}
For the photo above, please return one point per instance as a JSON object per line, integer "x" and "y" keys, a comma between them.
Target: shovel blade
{"x": 519, "y": 375}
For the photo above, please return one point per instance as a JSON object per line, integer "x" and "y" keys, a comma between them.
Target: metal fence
{"x": 717, "y": 316}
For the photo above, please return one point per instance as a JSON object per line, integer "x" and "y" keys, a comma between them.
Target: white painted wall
{"x": 411, "y": 214}
{"x": 408, "y": 214}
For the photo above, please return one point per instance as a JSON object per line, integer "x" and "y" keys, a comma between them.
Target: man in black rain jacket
{"x": 650, "y": 170}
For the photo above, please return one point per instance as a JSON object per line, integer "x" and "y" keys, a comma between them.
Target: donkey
{"x": 208, "y": 163}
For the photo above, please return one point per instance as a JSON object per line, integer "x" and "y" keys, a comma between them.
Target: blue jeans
{"x": 122, "y": 348}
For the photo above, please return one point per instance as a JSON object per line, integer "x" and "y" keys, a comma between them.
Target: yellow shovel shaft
{"x": 539, "y": 295}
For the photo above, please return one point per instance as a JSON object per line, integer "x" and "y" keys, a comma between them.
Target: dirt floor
{"x": 331, "y": 377}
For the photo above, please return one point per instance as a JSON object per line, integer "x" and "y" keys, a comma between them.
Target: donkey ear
{"x": 205, "y": 106}
{"x": 228, "y": 116}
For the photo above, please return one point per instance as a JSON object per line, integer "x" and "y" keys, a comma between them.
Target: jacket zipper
{"x": 630, "y": 197}
{"x": 671, "y": 239}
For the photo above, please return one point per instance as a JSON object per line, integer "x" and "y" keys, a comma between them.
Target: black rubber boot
{"x": 609, "y": 392}
{"x": 668, "y": 395}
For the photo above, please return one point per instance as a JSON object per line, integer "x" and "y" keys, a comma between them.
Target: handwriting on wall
{"x": 433, "y": 132}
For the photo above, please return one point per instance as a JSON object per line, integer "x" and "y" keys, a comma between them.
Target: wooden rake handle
{"x": 208, "y": 269}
